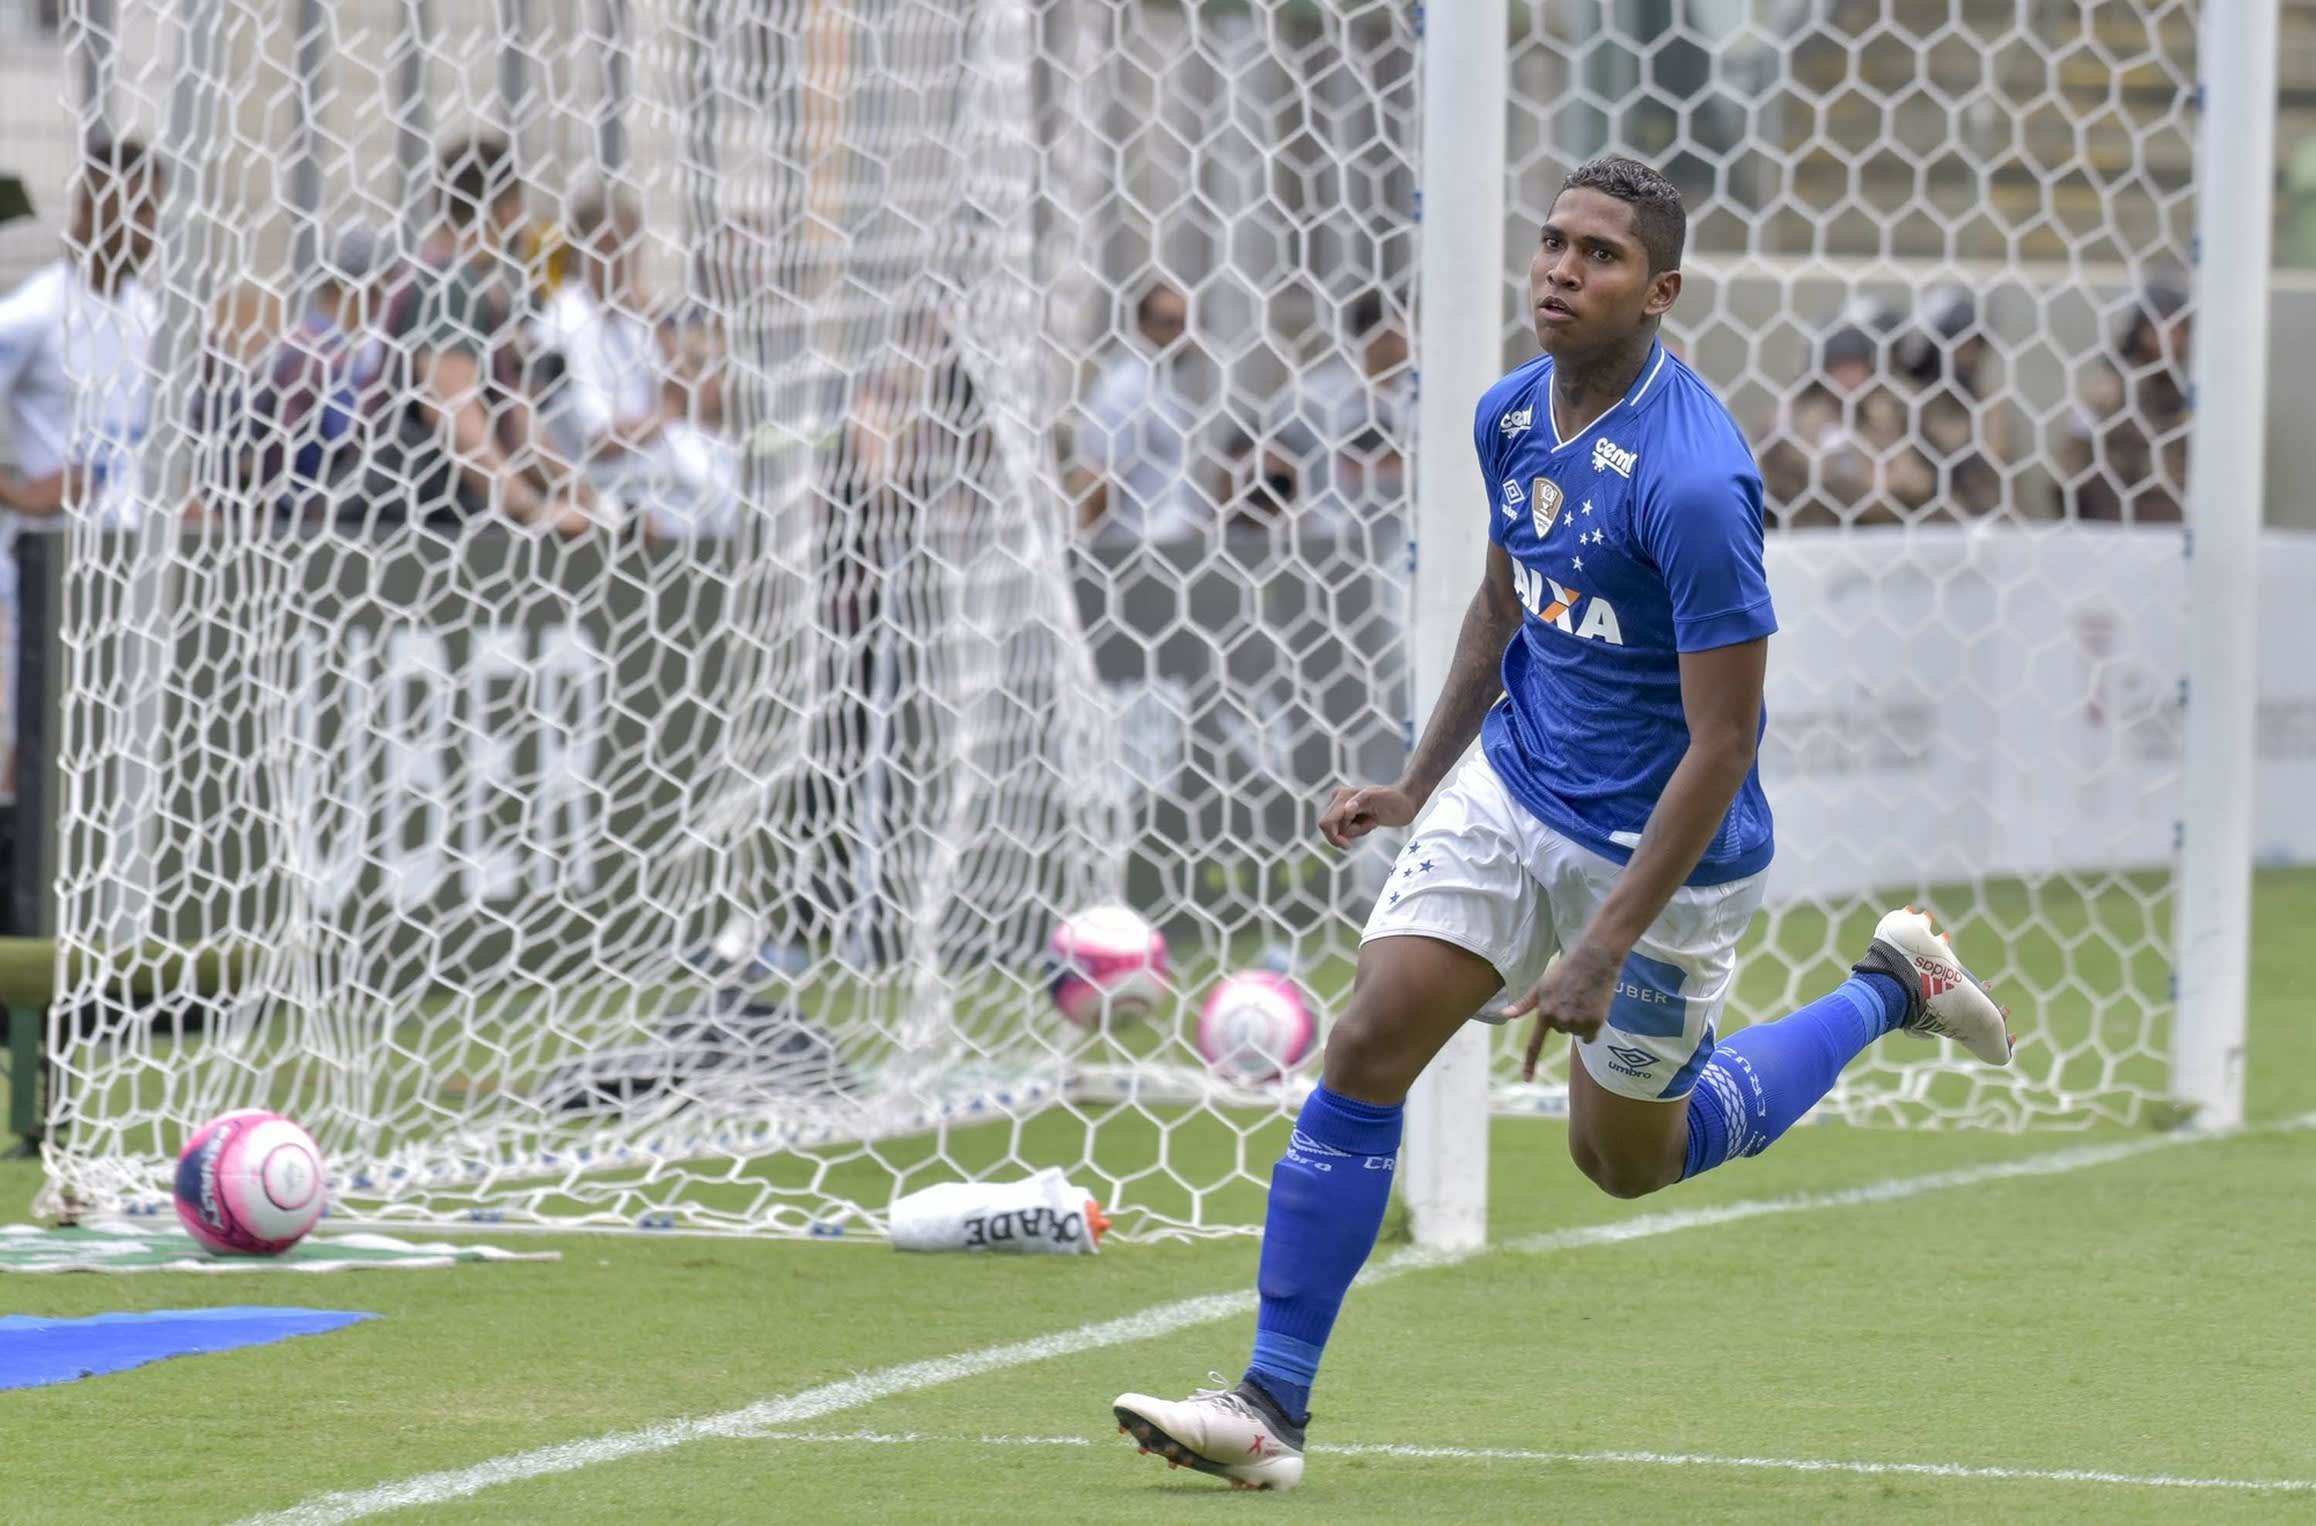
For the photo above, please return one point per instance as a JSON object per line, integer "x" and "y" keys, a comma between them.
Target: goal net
{"x": 674, "y": 539}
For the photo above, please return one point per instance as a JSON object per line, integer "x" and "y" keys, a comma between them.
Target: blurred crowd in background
{"x": 497, "y": 367}
{"x": 433, "y": 383}
{"x": 1903, "y": 421}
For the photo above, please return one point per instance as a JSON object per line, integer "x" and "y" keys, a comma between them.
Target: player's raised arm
{"x": 1474, "y": 683}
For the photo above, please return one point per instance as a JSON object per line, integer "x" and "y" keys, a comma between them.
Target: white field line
{"x": 1622, "y": 1459}
{"x": 1163, "y": 1319}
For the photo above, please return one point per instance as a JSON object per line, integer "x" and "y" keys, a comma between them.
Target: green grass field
{"x": 2122, "y": 1335}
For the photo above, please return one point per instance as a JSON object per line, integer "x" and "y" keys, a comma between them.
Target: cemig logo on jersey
{"x": 1516, "y": 421}
{"x": 1554, "y": 603}
{"x": 1609, "y": 456}
{"x": 1544, "y": 501}
{"x": 1513, "y": 497}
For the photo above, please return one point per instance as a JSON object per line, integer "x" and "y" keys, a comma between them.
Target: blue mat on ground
{"x": 37, "y": 1351}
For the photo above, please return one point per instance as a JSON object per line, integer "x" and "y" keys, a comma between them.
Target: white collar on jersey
{"x": 1648, "y": 376}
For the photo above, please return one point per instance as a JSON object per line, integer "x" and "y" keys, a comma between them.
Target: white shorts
{"x": 1480, "y": 871}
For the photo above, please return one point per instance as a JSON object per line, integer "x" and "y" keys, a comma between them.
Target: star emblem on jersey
{"x": 1580, "y": 564}
{"x": 1544, "y": 501}
{"x": 1587, "y": 505}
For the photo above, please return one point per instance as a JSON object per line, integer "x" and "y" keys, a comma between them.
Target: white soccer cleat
{"x": 1942, "y": 998}
{"x": 1216, "y": 1430}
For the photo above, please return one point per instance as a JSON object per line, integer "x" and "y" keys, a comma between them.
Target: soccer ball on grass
{"x": 250, "y": 1184}
{"x": 1106, "y": 966}
{"x": 1255, "y": 1027}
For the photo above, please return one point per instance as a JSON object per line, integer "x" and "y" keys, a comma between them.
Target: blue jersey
{"x": 1634, "y": 542}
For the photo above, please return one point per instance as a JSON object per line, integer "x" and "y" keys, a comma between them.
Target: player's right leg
{"x": 1460, "y": 915}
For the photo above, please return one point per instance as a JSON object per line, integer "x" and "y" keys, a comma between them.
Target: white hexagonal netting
{"x": 642, "y": 553}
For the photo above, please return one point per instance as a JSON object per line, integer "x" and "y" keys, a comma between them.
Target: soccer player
{"x": 1611, "y": 665}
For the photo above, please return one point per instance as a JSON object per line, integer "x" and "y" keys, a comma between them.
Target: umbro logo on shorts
{"x": 1638, "y": 1059}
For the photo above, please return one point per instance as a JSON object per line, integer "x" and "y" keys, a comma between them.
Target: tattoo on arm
{"x": 1474, "y": 681}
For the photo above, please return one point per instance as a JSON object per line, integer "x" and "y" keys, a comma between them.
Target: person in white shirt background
{"x": 1136, "y": 434}
{"x": 73, "y": 341}
{"x": 1335, "y": 431}
{"x": 614, "y": 414}
{"x": 73, "y": 384}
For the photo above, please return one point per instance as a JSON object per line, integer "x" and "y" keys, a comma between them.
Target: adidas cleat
{"x": 1229, "y": 1432}
{"x": 1943, "y": 999}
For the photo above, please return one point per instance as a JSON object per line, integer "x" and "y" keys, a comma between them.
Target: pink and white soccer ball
{"x": 1255, "y": 1027}
{"x": 1107, "y": 964}
{"x": 250, "y": 1184}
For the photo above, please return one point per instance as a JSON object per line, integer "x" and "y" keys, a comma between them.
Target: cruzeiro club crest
{"x": 1544, "y": 500}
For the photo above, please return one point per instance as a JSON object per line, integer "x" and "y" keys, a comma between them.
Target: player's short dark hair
{"x": 1365, "y": 314}
{"x": 105, "y": 161}
{"x": 1658, "y": 219}
{"x": 477, "y": 173}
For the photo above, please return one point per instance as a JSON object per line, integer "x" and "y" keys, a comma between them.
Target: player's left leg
{"x": 1746, "y": 1091}
{"x": 1751, "y": 1089}
{"x": 1461, "y": 920}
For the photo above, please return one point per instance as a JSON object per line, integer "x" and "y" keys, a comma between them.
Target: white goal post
{"x": 2236, "y": 171}
{"x": 940, "y": 467}
{"x": 1459, "y": 355}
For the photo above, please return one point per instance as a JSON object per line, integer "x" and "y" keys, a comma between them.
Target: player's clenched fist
{"x": 1360, "y": 809}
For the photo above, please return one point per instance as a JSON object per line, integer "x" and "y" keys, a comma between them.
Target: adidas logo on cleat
{"x": 1937, "y": 979}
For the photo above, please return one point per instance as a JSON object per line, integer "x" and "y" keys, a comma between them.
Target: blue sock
{"x": 1766, "y": 1076}
{"x": 1328, "y": 1194}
